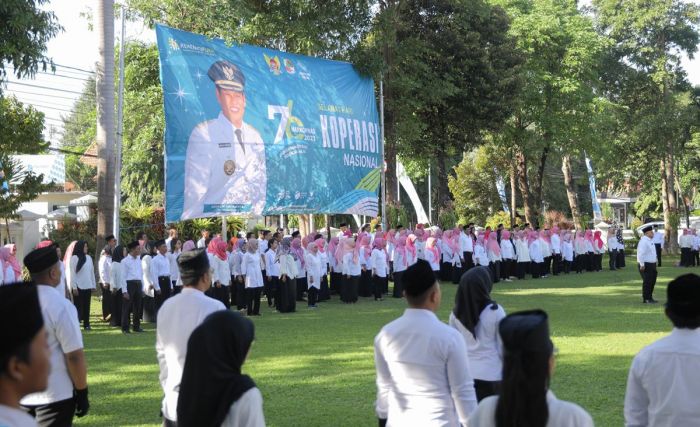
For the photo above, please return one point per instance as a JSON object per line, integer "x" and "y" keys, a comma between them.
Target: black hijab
{"x": 79, "y": 251}
{"x": 118, "y": 254}
{"x": 473, "y": 295}
{"x": 211, "y": 378}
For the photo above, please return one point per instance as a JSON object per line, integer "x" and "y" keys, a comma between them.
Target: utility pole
{"x": 104, "y": 24}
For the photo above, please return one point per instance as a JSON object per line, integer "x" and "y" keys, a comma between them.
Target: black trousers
{"x": 287, "y": 300}
{"x": 106, "y": 301}
{"x": 657, "y": 246}
{"x": 313, "y": 296}
{"x": 556, "y": 264}
{"x": 685, "y": 257}
{"x": 567, "y": 267}
{"x": 648, "y": 280}
{"x": 485, "y": 389}
{"x": 117, "y": 302}
{"x": 253, "y": 300}
{"x": 598, "y": 261}
{"x": 56, "y": 414}
{"x": 176, "y": 289}
{"x": 301, "y": 288}
{"x": 84, "y": 297}
{"x": 348, "y": 291}
{"x": 132, "y": 305}
{"x": 547, "y": 266}
{"x": 398, "y": 286}
{"x": 612, "y": 262}
{"x": 365, "y": 286}
{"x": 336, "y": 280}
{"x": 620, "y": 258}
{"x": 468, "y": 261}
{"x": 378, "y": 284}
{"x": 578, "y": 262}
{"x": 223, "y": 294}
{"x": 166, "y": 291}
{"x": 535, "y": 270}
{"x": 241, "y": 295}
{"x": 506, "y": 269}
{"x": 520, "y": 269}
{"x": 456, "y": 273}
{"x": 324, "y": 294}
{"x": 271, "y": 284}
{"x": 696, "y": 258}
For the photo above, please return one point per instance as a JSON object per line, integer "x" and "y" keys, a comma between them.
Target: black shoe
{"x": 125, "y": 331}
{"x": 138, "y": 330}
{"x": 650, "y": 301}
{"x": 87, "y": 328}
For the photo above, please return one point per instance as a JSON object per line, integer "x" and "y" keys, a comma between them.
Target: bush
{"x": 636, "y": 222}
{"x": 556, "y": 218}
{"x": 447, "y": 218}
{"x": 395, "y": 215}
{"x": 500, "y": 217}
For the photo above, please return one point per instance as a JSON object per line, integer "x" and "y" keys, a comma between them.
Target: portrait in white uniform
{"x": 225, "y": 162}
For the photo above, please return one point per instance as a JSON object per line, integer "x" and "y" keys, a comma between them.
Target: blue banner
{"x": 597, "y": 213}
{"x": 253, "y": 130}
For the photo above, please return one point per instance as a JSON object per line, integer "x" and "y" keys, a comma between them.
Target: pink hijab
{"x": 431, "y": 245}
{"x": 492, "y": 244}
{"x": 505, "y": 235}
{"x": 13, "y": 261}
{"x": 217, "y": 247}
{"x": 69, "y": 252}
{"x": 401, "y": 246}
{"x": 365, "y": 246}
{"x": 597, "y": 240}
{"x": 321, "y": 244}
{"x": 5, "y": 260}
{"x": 297, "y": 251}
{"x": 480, "y": 239}
{"x": 411, "y": 244}
{"x": 531, "y": 237}
{"x": 188, "y": 246}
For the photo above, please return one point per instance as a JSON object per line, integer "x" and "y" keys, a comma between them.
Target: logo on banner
{"x": 273, "y": 63}
{"x": 288, "y": 66}
{"x": 173, "y": 44}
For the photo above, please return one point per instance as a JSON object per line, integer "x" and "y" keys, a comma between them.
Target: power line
{"x": 46, "y": 73}
{"x": 77, "y": 153}
{"x": 45, "y": 87}
{"x": 74, "y": 68}
{"x": 53, "y": 96}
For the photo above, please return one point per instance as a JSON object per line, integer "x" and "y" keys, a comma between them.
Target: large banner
{"x": 253, "y": 130}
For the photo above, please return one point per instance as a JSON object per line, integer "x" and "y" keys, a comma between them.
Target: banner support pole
{"x": 381, "y": 119}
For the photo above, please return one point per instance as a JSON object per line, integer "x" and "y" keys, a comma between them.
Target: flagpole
{"x": 381, "y": 118}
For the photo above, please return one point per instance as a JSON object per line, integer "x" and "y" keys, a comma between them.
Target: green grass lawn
{"x": 315, "y": 367}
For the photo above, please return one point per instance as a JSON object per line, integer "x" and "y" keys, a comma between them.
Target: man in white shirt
{"x": 104, "y": 266}
{"x": 177, "y": 318}
{"x": 204, "y": 240}
{"x": 172, "y": 234}
{"x": 646, "y": 261}
{"x": 133, "y": 294}
{"x": 67, "y": 391}
{"x": 555, "y": 242}
{"x": 225, "y": 160}
{"x": 658, "y": 241}
{"x": 466, "y": 248}
{"x": 423, "y": 376}
{"x": 160, "y": 269}
{"x": 664, "y": 380}
{"x": 24, "y": 355}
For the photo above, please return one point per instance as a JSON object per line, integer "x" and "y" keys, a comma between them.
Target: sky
{"x": 76, "y": 47}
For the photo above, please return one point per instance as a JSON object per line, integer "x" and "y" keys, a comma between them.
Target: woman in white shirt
{"x": 351, "y": 271}
{"x": 536, "y": 257}
{"x": 313, "y": 273}
{"x": 324, "y": 294}
{"x": 493, "y": 251}
{"x": 298, "y": 254}
{"x": 333, "y": 265}
{"x": 528, "y": 364}
{"x": 117, "y": 284}
{"x": 400, "y": 265}
{"x": 476, "y": 317}
{"x": 7, "y": 274}
{"x": 432, "y": 255}
{"x": 365, "y": 251}
{"x": 272, "y": 271}
{"x": 287, "y": 300}
{"x": 149, "y": 283}
{"x": 546, "y": 249}
{"x": 250, "y": 267}
{"x": 522, "y": 254}
{"x": 380, "y": 268}
{"x": 567, "y": 252}
{"x": 173, "y": 253}
{"x": 82, "y": 280}
{"x": 507, "y": 256}
{"x": 480, "y": 257}
{"x": 213, "y": 391}
{"x": 221, "y": 273}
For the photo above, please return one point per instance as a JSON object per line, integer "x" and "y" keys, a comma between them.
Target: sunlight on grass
{"x": 316, "y": 367}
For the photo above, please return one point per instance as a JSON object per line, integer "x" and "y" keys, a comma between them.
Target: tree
{"x": 78, "y": 136}
{"x": 24, "y": 31}
{"x": 649, "y": 40}
{"x": 20, "y": 133}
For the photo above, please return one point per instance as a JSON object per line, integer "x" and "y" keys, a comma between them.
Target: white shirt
{"x": 536, "y": 251}
{"x": 423, "y": 376}
{"x": 250, "y": 267}
{"x": 612, "y": 243}
{"x": 272, "y": 268}
{"x": 61, "y": 288}
{"x": 521, "y": 250}
{"x": 247, "y": 411}
{"x": 116, "y": 277}
{"x": 220, "y": 271}
{"x": 220, "y": 175}
{"x": 350, "y": 267}
{"x": 658, "y": 238}
{"x": 160, "y": 266}
{"x": 646, "y": 252}
{"x": 177, "y": 318}
{"x": 288, "y": 266}
{"x": 313, "y": 270}
{"x": 201, "y": 243}
{"x": 556, "y": 243}
{"x": 378, "y": 261}
{"x": 12, "y": 417}
{"x": 561, "y": 413}
{"x": 400, "y": 261}
{"x": 433, "y": 260}
{"x": 567, "y": 251}
{"x": 103, "y": 266}
{"x": 466, "y": 244}
{"x": 61, "y": 323}
{"x": 9, "y": 275}
{"x": 507, "y": 249}
{"x": 479, "y": 256}
{"x": 85, "y": 278}
{"x": 234, "y": 263}
{"x": 664, "y": 382}
{"x": 174, "y": 268}
{"x": 486, "y": 350}
{"x": 132, "y": 268}
{"x": 149, "y": 283}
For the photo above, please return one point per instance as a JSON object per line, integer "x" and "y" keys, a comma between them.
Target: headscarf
{"x": 118, "y": 254}
{"x": 492, "y": 244}
{"x": 284, "y": 248}
{"x": 252, "y": 245}
{"x": 473, "y": 296}
{"x": 242, "y": 245}
{"x": 297, "y": 251}
{"x": 333, "y": 246}
{"x": 43, "y": 244}
{"x": 505, "y": 235}
{"x": 544, "y": 235}
{"x": 13, "y": 260}
{"x": 188, "y": 246}
{"x": 365, "y": 246}
{"x": 220, "y": 249}
{"x": 5, "y": 259}
{"x": 400, "y": 246}
{"x": 305, "y": 241}
{"x": 431, "y": 245}
{"x": 310, "y": 248}
{"x": 597, "y": 240}
{"x": 211, "y": 377}
{"x": 531, "y": 237}
{"x": 411, "y": 245}
{"x": 79, "y": 251}
{"x": 352, "y": 246}
{"x": 588, "y": 236}
{"x": 320, "y": 244}
{"x": 480, "y": 239}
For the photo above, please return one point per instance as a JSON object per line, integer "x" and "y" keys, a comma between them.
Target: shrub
{"x": 499, "y": 217}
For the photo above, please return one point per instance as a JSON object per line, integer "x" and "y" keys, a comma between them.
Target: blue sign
{"x": 253, "y": 130}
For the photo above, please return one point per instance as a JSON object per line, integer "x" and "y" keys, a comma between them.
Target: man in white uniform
{"x": 67, "y": 393}
{"x": 225, "y": 162}
{"x": 646, "y": 260}
{"x": 658, "y": 241}
{"x": 177, "y": 318}
{"x": 423, "y": 376}
{"x": 664, "y": 380}
{"x": 24, "y": 354}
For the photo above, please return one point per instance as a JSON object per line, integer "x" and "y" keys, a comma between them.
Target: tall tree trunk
{"x": 513, "y": 196}
{"x": 537, "y": 194}
{"x": 571, "y": 190}
{"x": 105, "y": 135}
{"x": 443, "y": 196}
{"x": 390, "y": 150}
{"x": 521, "y": 162}
{"x": 671, "y": 208}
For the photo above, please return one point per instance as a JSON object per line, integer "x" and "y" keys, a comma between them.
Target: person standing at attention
{"x": 658, "y": 241}
{"x": 664, "y": 379}
{"x": 423, "y": 376}
{"x": 82, "y": 280}
{"x": 67, "y": 392}
{"x": 179, "y": 316}
{"x": 646, "y": 260}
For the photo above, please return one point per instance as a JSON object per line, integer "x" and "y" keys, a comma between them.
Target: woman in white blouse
{"x": 213, "y": 391}
{"x": 380, "y": 268}
{"x": 313, "y": 273}
{"x": 221, "y": 273}
{"x": 173, "y": 253}
{"x": 82, "y": 280}
{"x": 272, "y": 272}
{"x": 476, "y": 317}
{"x": 288, "y": 282}
{"x": 250, "y": 267}
{"x": 400, "y": 264}
{"x": 351, "y": 272}
{"x": 7, "y": 274}
{"x": 117, "y": 283}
